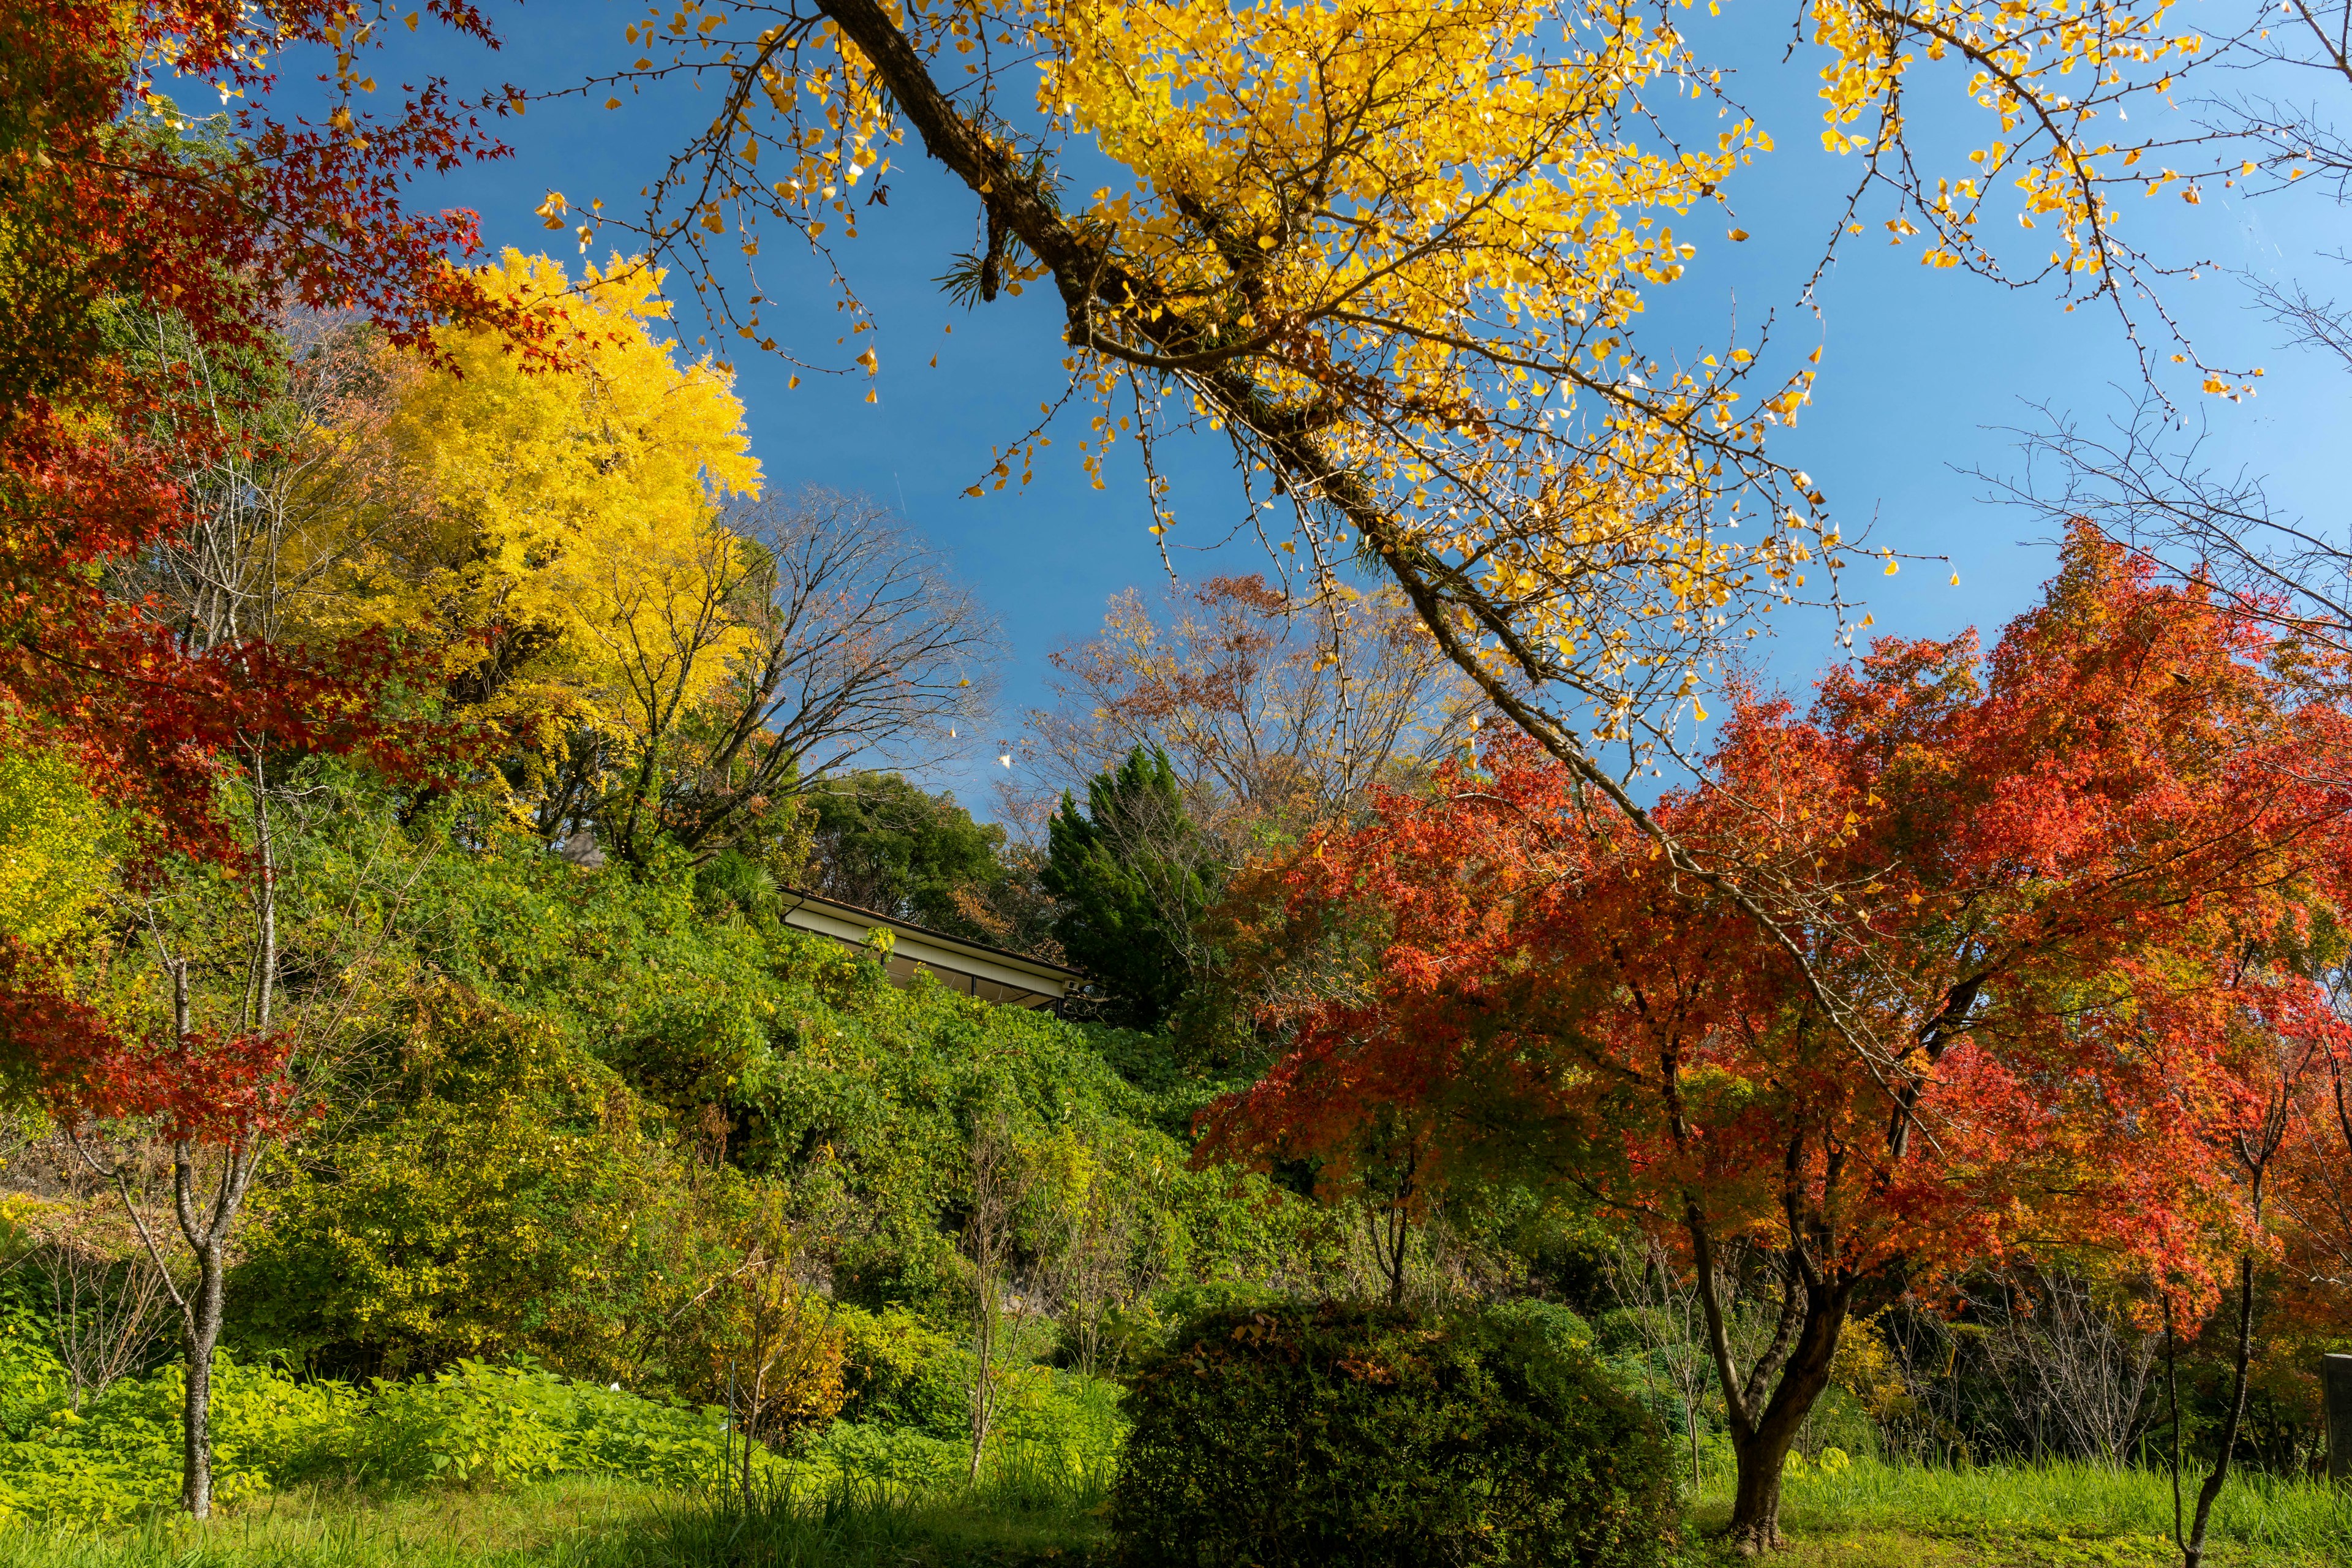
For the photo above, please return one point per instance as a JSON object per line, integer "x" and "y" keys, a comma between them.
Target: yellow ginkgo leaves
{"x": 57, "y": 844}
{"x": 570, "y": 536}
{"x": 1402, "y": 254}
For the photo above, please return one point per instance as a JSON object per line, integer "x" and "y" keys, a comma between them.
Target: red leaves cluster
{"x": 122, "y": 218}
{"x": 117, "y": 216}
{"x": 70, "y": 1057}
{"x": 222, "y": 230}
{"x": 2047, "y": 922}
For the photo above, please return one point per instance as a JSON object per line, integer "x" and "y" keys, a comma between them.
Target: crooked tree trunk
{"x": 1768, "y": 1405}
{"x": 1762, "y": 1448}
{"x": 2192, "y": 1548}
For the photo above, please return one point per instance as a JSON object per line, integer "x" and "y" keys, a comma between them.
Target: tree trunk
{"x": 1755, "y": 1502}
{"x": 1762, "y": 1444}
{"x": 2192, "y": 1550}
{"x": 203, "y": 1326}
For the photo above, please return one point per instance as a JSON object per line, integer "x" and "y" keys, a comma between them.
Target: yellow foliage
{"x": 570, "y": 553}
{"x": 58, "y": 843}
{"x": 1400, "y": 251}
{"x": 1866, "y": 1368}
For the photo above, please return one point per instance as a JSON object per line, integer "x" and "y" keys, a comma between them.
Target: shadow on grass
{"x": 996, "y": 1526}
{"x": 1869, "y": 1514}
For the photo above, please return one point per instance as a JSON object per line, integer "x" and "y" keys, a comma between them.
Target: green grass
{"x": 1871, "y": 1513}
{"x": 1868, "y": 1516}
{"x": 583, "y": 1524}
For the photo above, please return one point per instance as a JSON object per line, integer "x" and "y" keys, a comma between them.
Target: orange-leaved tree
{"x": 2077, "y": 893}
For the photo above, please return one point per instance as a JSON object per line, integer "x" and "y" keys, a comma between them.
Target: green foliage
{"x": 906, "y": 1375}
{"x": 32, "y": 1380}
{"x": 118, "y": 1456}
{"x": 58, "y": 843}
{"x": 514, "y": 1183}
{"x": 476, "y": 1423}
{"x": 1339, "y": 1434}
{"x": 513, "y": 1203}
{"x": 887, "y": 845}
{"x": 1059, "y": 1439}
{"x": 1129, "y": 881}
{"x": 869, "y": 1112}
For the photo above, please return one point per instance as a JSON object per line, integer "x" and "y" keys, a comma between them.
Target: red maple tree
{"x": 121, "y": 209}
{"x": 2059, "y": 907}
{"x": 146, "y": 263}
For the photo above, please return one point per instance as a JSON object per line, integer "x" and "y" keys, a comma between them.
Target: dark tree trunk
{"x": 2192, "y": 1550}
{"x": 1762, "y": 1448}
{"x": 1768, "y": 1405}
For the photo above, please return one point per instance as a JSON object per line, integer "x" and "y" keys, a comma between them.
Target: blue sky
{"x": 1922, "y": 368}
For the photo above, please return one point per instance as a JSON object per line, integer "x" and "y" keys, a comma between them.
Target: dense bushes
{"x": 505, "y": 1202}
{"x": 1277, "y": 1435}
{"x": 119, "y": 1455}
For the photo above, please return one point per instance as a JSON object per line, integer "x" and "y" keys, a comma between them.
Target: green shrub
{"x": 1280, "y": 1435}
{"x": 474, "y": 1424}
{"x": 904, "y": 1372}
{"x": 514, "y": 1202}
{"x": 1058, "y": 1440}
{"x": 883, "y": 1460}
{"x": 119, "y": 1456}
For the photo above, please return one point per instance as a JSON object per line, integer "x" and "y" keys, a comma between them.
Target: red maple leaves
{"x": 146, "y": 265}
{"x": 2047, "y": 921}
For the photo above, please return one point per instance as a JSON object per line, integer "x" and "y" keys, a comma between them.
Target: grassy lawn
{"x": 1885, "y": 1516}
{"x": 567, "y": 1524}
{"x": 1869, "y": 1516}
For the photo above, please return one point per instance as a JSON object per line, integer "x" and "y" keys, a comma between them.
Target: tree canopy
{"x": 1130, "y": 876}
{"x": 2080, "y": 900}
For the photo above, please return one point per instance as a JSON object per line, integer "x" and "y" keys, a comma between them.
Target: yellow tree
{"x": 1398, "y": 252}
{"x": 569, "y": 550}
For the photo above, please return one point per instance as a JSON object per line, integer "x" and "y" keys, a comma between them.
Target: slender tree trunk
{"x": 203, "y": 1326}
{"x": 203, "y": 1306}
{"x": 2172, "y": 1398}
{"x": 2192, "y": 1550}
{"x": 207, "y": 1234}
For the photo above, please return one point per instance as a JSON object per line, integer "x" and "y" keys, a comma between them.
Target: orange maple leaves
{"x": 2062, "y": 909}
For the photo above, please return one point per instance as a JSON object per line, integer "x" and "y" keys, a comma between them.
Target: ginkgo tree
{"x": 666, "y": 654}
{"x": 2092, "y": 887}
{"x": 1401, "y": 254}
{"x": 564, "y": 549}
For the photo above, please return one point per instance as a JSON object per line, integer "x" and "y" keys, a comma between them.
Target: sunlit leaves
{"x": 571, "y": 540}
{"x": 56, "y": 842}
{"x": 2074, "y": 897}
